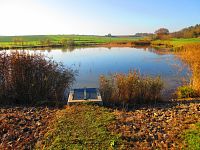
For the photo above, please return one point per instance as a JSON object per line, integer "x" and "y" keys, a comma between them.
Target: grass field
{"x": 58, "y": 40}
{"x": 175, "y": 43}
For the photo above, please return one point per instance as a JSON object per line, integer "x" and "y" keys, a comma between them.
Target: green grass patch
{"x": 175, "y": 42}
{"x": 81, "y": 127}
{"x": 36, "y": 40}
{"x": 192, "y": 138}
{"x": 186, "y": 92}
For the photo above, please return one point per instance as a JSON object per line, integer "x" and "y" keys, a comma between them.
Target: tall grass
{"x": 29, "y": 78}
{"x": 191, "y": 55}
{"x": 131, "y": 88}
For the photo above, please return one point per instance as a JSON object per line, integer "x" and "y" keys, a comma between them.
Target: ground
{"x": 22, "y": 127}
{"x": 158, "y": 127}
{"x": 161, "y": 126}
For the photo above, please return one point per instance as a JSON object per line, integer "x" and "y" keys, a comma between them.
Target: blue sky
{"x": 97, "y": 17}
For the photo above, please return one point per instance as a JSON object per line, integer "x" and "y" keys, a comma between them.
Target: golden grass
{"x": 29, "y": 78}
{"x": 130, "y": 89}
{"x": 190, "y": 54}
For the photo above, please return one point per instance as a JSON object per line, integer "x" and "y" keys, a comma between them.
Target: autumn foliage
{"x": 189, "y": 32}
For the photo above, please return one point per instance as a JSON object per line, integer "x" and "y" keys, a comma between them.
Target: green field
{"x": 58, "y": 40}
{"x": 29, "y": 41}
{"x": 175, "y": 43}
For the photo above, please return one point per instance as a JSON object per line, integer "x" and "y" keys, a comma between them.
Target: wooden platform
{"x": 85, "y": 95}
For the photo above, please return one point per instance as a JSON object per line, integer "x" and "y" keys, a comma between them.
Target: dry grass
{"x": 130, "y": 89}
{"x": 190, "y": 54}
{"x": 28, "y": 78}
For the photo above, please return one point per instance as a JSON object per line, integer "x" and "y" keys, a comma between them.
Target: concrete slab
{"x": 85, "y": 95}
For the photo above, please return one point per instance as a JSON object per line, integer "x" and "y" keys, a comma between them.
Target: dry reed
{"x": 28, "y": 78}
{"x": 190, "y": 54}
{"x": 130, "y": 89}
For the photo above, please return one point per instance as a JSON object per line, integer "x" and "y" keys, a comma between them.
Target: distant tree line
{"x": 143, "y": 34}
{"x": 163, "y": 33}
{"x": 190, "y": 32}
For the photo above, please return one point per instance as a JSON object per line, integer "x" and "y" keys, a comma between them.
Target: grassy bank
{"x": 192, "y": 137}
{"x": 190, "y": 54}
{"x": 188, "y": 50}
{"x": 175, "y": 43}
{"x": 34, "y": 41}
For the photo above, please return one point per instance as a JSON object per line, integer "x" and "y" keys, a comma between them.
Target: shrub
{"x": 67, "y": 42}
{"x": 186, "y": 92}
{"x": 130, "y": 89}
{"x": 46, "y": 42}
{"x": 28, "y": 78}
{"x": 70, "y": 42}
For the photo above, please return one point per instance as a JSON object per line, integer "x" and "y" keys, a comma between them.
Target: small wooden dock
{"x": 85, "y": 95}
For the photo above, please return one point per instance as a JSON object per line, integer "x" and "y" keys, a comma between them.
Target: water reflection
{"x": 93, "y": 62}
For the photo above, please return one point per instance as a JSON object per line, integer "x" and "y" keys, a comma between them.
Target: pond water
{"x": 93, "y": 62}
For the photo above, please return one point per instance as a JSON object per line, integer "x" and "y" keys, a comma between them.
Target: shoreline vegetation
{"x": 32, "y": 79}
{"x": 130, "y": 89}
{"x": 183, "y": 48}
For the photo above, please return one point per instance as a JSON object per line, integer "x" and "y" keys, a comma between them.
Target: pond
{"x": 95, "y": 61}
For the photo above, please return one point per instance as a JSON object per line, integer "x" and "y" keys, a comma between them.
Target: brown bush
{"x": 130, "y": 89}
{"x": 29, "y": 78}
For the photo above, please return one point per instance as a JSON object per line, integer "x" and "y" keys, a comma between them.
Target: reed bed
{"x": 27, "y": 78}
{"x": 190, "y": 54}
{"x": 131, "y": 88}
